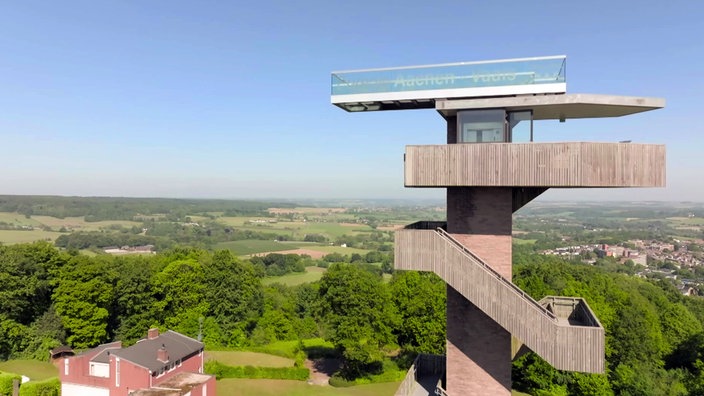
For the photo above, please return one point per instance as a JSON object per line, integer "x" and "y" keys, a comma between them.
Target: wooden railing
{"x": 423, "y": 365}
{"x": 517, "y": 290}
{"x": 409, "y": 383}
{"x": 566, "y": 165}
{"x": 577, "y": 347}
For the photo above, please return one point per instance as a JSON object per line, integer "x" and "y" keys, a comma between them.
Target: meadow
{"x": 253, "y": 246}
{"x": 10, "y": 237}
{"x": 46, "y": 228}
{"x": 312, "y": 274}
{"x": 18, "y": 219}
{"x": 79, "y": 223}
{"x": 328, "y": 222}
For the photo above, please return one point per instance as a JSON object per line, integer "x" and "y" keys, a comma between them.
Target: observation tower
{"x": 490, "y": 168}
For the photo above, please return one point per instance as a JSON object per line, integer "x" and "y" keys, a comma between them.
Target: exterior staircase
{"x": 562, "y": 330}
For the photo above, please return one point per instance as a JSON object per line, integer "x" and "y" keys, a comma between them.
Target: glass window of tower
{"x": 481, "y": 126}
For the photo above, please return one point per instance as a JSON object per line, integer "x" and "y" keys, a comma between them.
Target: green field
{"x": 17, "y": 219}
{"x": 338, "y": 249}
{"x": 298, "y": 229}
{"x": 79, "y": 223}
{"x": 687, "y": 220}
{"x": 331, "y": 230}
{"x": 241, "y": 358}
{"x": 312, "y": 274}
{"x": 10, "y": 237}
{"x": 239, "y": 221}
{"x": 33, "y": 369}
{"x": 53, "y": 223}
{"x": 519, "y": 241}
{"x": 252, "y": 246}
{"x": 237, "y": 387}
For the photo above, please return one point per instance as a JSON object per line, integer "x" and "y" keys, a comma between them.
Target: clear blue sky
{"x": 232, "y": 99}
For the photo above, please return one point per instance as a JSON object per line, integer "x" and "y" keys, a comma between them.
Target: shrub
{"x": 389, "y": 372}
{"x": 49, "y": 387}
{"x": 6, "y": 382}
{"x": 337, "y": 381}
{"x": 221, "y": 371}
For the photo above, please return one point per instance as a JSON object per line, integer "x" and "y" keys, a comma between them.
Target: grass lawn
{"x": 10, "y": 237}
{"x": 251, "y": 246}
{"x": 33, "y": 369}
{"x": 237, "y": 387}
{"x": 312, "y": 274}
{"x": 289, "y": 347}
{"x": 241, "y": 358}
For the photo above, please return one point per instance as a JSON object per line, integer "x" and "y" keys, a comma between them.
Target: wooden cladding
{"x": 565, "y": 346}
{"x": 536, "y": 165}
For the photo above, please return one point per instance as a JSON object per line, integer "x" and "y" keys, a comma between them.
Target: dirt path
{"x": 322, "y": 369}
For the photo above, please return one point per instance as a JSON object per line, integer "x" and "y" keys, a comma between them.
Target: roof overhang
{"x": 556, "y": 107}
{"x": 428, "y": 98}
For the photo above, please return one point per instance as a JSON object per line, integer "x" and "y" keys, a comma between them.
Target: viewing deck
{"x": 417, "y": 87}
{"x": 562, "y": 330}
{"x": 551, "y": 165}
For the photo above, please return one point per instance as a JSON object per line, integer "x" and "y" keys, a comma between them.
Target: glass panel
{"x": 528, "y": 71}
{"x": 520, "y": 131}
{"x": 481, "y": 126}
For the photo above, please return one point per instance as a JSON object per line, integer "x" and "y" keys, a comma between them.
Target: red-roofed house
{"x": 161, "y": 362}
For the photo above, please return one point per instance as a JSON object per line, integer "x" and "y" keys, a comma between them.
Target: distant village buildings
{"x": 144, "y": 249}
{"x": 677, "y": 255}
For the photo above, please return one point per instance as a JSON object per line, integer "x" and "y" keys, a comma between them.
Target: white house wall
{"x": 82, "y": 390}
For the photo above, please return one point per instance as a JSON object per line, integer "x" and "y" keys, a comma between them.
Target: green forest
{"x": 49, "y": 297}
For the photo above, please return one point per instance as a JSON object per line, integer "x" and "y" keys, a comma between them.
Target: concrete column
{"x": 451, "y": 129}
{"x": 478, "y": 349}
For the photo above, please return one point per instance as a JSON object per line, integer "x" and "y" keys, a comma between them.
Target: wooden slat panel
{"x": 566, "y": 347}
{"x": 536, "y": 164}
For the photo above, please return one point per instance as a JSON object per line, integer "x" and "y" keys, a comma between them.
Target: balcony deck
{"x": 550, "y": 165}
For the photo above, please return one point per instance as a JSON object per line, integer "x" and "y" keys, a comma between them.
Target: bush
{"x": 388, "y": 372}
{"x": 49, "y": 387}
{"x": 337, "y": 381}
{"x": 6, "y": 380}
{"x": 221, "y": 371}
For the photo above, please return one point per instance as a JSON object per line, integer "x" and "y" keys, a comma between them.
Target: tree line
{"x": 109, "y": 208}
{"x": 653, "y": 334}
{"x": 50, "y": 297}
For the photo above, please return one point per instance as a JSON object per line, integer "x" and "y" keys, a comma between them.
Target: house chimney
{"x": 152, "y": 334}
{"x": 162, "y": 355}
